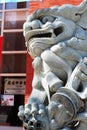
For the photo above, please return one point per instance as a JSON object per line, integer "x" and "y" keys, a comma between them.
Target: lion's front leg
{"x": 34, "y": 114}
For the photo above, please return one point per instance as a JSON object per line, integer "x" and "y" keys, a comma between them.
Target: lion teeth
{"x": 53, "y": 35}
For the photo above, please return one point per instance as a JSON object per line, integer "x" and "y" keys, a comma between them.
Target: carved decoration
{"x": 56, "y": 38}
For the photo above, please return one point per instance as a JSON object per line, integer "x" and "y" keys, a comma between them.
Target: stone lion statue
{"x": 56, "y": 39}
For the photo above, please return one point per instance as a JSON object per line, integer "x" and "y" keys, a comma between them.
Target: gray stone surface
{"x": 56, "y": 38}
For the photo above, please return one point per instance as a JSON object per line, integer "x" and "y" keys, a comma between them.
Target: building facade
{"x": 12, "y": 61}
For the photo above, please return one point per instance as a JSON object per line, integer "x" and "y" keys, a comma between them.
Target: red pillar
{"x": 29, "y": 76}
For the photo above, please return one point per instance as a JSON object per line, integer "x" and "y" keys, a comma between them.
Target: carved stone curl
{"x": 56, "y": 39}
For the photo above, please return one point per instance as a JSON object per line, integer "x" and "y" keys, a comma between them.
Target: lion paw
{"x": 34, "y": 116}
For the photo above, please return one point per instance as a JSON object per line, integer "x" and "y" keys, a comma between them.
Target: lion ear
{"x": 83, "y": 20}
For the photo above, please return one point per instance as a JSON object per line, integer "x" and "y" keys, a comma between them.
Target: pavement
{"x": 10, "y": 128}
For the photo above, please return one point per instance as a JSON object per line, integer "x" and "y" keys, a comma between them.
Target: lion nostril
{"x": 58, "y": 30}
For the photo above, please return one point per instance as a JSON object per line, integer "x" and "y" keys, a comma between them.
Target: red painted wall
{"x": 29, "y": 77}
{"x": 49, "y": 3}
{"x": 34, "y": 6}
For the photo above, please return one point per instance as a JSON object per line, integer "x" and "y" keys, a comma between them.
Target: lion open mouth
{"x": 44, "y": 33}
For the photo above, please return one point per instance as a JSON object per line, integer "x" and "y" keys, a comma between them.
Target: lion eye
{"x": 47, "y": 19}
